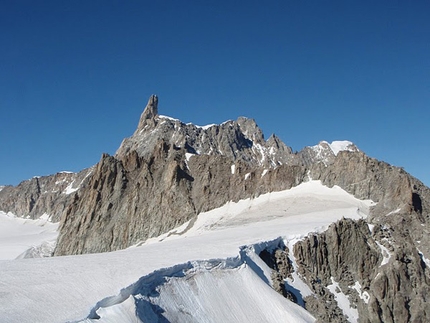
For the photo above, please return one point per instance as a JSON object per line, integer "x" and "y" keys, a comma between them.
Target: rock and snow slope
{"x": 149, "y": 195}
{"x": 69, "y": 288}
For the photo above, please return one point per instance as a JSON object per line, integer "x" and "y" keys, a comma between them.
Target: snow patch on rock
{"x": 342, "y": 145}
{"x": 343, "y": 301}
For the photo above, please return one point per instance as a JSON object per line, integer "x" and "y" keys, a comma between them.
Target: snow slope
{"x": 18, "y": 235}
{"x": 205, "y": 262}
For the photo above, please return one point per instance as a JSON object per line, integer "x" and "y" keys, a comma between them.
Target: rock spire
{"x": 149, "y": 114}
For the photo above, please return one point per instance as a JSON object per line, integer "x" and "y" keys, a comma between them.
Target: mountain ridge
{"x": 169, "y": 172}
{"x": 27, "y": 200}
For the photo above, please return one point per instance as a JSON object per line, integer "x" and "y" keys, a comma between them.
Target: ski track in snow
{"x": 69, "y": 288}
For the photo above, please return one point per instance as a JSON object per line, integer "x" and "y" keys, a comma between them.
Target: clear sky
{"x": 76, "y": 75}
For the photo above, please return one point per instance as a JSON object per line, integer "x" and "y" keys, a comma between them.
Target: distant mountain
{"x": 168, "y": 172}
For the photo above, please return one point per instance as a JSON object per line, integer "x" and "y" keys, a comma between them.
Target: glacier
{"x": 207, "y": 270}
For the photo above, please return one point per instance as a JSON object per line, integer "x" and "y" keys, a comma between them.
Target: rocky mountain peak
{"x": 168, "y": 172}
{"x": 237, "y": 140}
{"x": 148, "y": 117}
{"x": 325, "y": 152}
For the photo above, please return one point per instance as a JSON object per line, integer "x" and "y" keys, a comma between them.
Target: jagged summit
{"x": 169, "y": 172}
{"x": 149, "y": 114}
{"x": 238, "y": 140}
{"x": 325, "y": 152}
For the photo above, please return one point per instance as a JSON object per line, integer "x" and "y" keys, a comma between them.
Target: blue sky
{"x": 76, "y": 75}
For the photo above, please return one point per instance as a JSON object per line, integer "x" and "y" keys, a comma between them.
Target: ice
{"x": 202, "y": 291}
{"x": 394, "y": 212}
{"x": 296, "y": 285}
{"x": 69, "y": 189}
{"x": 61, "y": 289}
{"x": 426, "y": 260}
{"x": 207, "y": 126}
{"x": 169, "y": 118}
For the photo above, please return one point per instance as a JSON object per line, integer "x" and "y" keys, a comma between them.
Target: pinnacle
{"x": 151, "y": 109}
{"x": 149, "y": 114}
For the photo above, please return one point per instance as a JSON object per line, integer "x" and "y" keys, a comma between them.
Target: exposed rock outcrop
{"x": 167, "y": 172}
{"x": 357, "y": 272}
{"x": 393, "y": 282}
{"x": 128, "y": 201}
{"x": 43, "y": 195}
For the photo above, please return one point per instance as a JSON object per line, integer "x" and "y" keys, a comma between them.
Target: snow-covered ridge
{"x": 243, "y": 294}
{"x": 188, "y": 124}
{"x": 325, "y": 152}
{"x": 344, "y": 145}
{"x": 291, "y": 214}
{"x": 238, "y": 140}
{"x": 335, "y": 147}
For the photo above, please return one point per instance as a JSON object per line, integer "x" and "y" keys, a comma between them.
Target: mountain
{"x": 371, "y": 266}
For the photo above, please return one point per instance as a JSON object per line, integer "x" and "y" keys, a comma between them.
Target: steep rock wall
{"x": 396, "y": 284}
{"x": 42, "y": 195}
{"x": 380, "y": 276}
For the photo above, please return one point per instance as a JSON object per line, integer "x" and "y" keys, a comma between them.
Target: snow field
{"x": 71, "y": 288}
{"x": 18, "y": 235}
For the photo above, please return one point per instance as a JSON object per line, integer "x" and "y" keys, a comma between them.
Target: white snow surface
{"x": 207, "y": 269}
{"x": 341, "y": 145}
{"x": 363, "y": 295}
{"x": 385, "y": 253}
{"x": 177, "y": 120}
{"x": 233, "y": 169}
{"x": 18, "y": 235}
{"x": 69, "y": 189}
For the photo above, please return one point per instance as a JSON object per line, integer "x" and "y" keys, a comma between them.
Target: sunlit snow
{"x": 341, "y": 145}
{"x": 18, "y": 234}
{"x": 385, "y": 253}
{"x": 69, "y": 288}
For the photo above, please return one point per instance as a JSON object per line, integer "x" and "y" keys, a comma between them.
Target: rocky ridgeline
{"x": 239, "y": 140}
{"x": 42, "y": 195}
{"x": 167, "y": 172}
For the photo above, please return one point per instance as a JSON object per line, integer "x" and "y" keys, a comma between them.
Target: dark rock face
{"x": 45, "y": 194}
{"x": 380, "y": 270}
{"x": 282, "y": 268}
{"x": 127, "y": 201}
{"x": 167, "y": 172}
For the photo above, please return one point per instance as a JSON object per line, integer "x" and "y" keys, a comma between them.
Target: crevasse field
{"x": 207, "y": 270}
